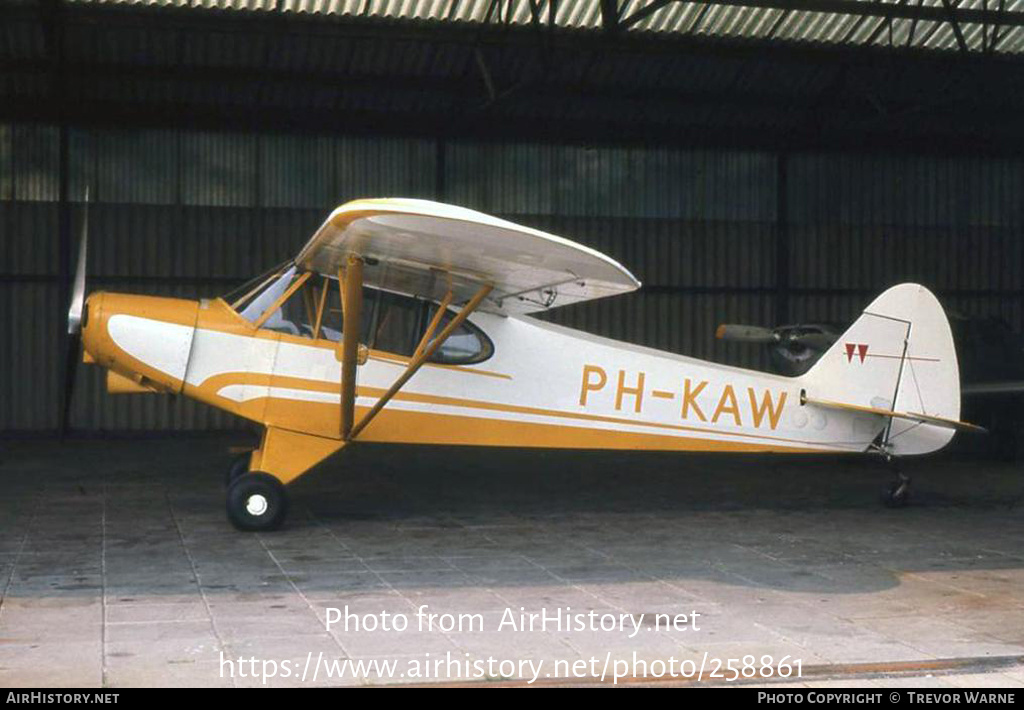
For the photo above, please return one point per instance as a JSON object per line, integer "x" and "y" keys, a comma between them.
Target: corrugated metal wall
{"x": 859, "y": 223}
{"x": 186, "y": 213}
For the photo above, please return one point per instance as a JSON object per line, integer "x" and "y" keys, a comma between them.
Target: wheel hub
{"x": 256, "y": 504}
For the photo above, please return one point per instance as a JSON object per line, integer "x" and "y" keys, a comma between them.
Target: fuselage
{"x": 543, "y": 385}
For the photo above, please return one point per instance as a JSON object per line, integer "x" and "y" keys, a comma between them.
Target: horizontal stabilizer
{"x": 909, "y": 416}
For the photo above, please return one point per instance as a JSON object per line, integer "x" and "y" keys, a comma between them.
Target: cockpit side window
{"x": 392, "y": 323}
{"x": 398, "y": 323}
{"x": 299, "y": 314}
{"x": 465, "y": 346}
{"x": 331, "y": 314}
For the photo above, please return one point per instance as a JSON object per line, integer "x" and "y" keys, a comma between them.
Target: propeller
{"x": 746, "y": 333}
{"x": 786, "y": 336}
{"x": 74, "y": 339}
{"x": 815, "y": 341}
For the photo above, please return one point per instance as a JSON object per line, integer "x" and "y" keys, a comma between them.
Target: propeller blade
{"x": 74, "y": 339}
{"x": 74, "y": 343}
{"x": 814, "y": 341}
{"x": 78, "y": 286}
{"x": 746, "y": 333}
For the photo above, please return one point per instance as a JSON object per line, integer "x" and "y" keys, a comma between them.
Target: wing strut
{"x": 423, "y": 353}
{"x": 351, "y": 292}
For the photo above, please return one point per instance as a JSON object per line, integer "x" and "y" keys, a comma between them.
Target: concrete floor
{"x": 119, "y": 569}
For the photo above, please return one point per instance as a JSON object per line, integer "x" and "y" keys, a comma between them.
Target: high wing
{"x": 425, "y": 248}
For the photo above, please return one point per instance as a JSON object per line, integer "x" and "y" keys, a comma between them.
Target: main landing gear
{"x": 257, "y": 498}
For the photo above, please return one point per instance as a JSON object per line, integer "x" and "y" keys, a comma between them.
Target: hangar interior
{"x": 748, "y": 161}
{"x": 754, "y": 161}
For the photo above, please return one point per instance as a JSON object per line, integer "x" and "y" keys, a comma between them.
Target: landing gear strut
{"x": 897, "y": 494}
{"x": 239, "y": 465}
{"x": 257, "y": 497}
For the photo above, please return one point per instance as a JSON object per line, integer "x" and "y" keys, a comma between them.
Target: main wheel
{"x": 257, "y": 501}
{"x": 239, "y": 465}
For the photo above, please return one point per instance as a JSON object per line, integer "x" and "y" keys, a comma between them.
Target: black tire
{"x": 239, "y": 465}
{"x": 897, "y": 495}
{"x": 256, "y": 502}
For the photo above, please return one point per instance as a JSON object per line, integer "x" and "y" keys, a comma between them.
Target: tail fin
{"x": 898, "y": 356}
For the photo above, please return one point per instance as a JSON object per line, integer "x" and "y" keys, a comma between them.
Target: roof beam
{"x": 646, "y": 11}
{"x": 276, "y": 26}
{"x": 853, "y": 7}
{"x": 777, "y": 25}
{"x": 951, "y": 16}
{"x": 885, "y": 24}
{"x": 996, "y": 35}
{"x": 610, "y": 16}
{"x": 913, "y": 25}
{"x": 535, "y": 11}
{"x": 280, "y": 27}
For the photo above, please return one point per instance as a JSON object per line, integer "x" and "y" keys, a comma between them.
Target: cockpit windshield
{"x": 251, "y": 292}
{"x": 268, "y": 297}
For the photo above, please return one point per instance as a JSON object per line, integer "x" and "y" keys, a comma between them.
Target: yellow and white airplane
{"x": 406, "y": 321}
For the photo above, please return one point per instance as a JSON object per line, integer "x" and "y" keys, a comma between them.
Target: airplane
{"x": 408, "y": 321}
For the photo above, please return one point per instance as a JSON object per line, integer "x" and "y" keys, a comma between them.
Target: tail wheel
{"x": 897, "y": 495}
{"x": 239, "y": 465}
{"x": 257, "y": 501}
